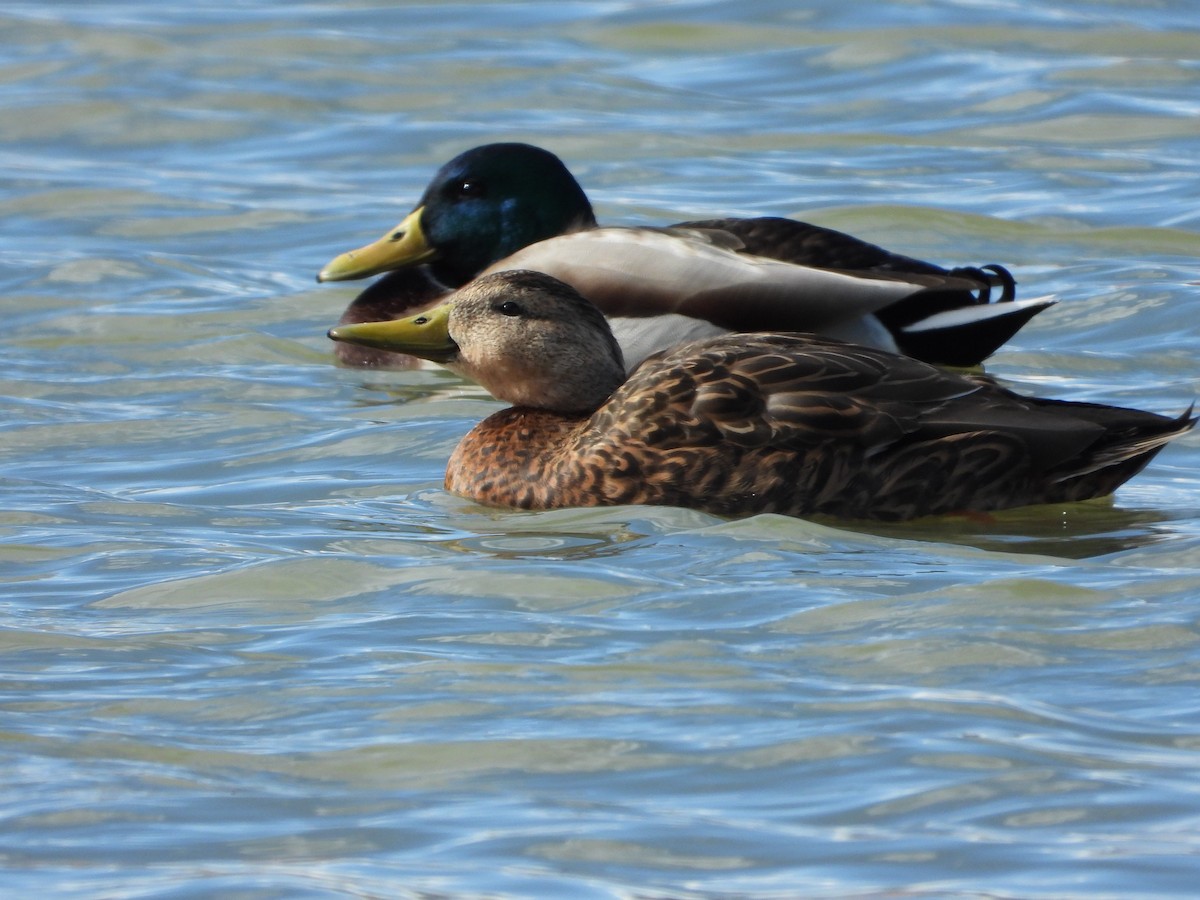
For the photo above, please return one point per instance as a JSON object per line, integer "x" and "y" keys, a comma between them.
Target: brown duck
{"x": 748, "y": 423}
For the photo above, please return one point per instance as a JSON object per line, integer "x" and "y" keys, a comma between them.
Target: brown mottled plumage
{"x": 751, "y": 423}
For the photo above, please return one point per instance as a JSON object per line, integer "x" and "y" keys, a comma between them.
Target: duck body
{"x": 741, "y": 424}
{"x": 514, "y": 206}
{"x": 661, "y": 286}
{"x": 804, "y": 426}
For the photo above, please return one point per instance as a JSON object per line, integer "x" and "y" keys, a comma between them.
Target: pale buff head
{"x": 532, "y": 340}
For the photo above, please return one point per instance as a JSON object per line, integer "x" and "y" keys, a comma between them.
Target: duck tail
{"x": 968, "y": 334}
{"x": 1136, "y": 444}
{"x": 1119, "y": 455}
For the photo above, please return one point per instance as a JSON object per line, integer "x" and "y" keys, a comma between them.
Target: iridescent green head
{"x": 481, "y": 207}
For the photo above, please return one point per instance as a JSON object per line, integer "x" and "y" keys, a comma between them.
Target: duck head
{"x": 482, "y": 206}
{"x": 529, "y": 339}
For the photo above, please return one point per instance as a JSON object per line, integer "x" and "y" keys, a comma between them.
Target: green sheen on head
{"x": 489, "y": 202}
{"x": 482, "y": 206}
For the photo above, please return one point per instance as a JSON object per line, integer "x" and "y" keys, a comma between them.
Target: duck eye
{"x": 510, "y": 308}
{"x": 468, "y": 188}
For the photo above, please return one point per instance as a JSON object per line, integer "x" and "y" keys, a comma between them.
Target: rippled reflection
{"x": 251, "y": 646}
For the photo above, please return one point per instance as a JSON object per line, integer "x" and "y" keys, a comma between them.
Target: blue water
{"x": 249, "y": 646}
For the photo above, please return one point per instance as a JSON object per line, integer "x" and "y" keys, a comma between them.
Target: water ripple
{"x": 254, "y": 648}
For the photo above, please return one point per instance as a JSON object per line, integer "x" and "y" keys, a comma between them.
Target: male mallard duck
{"x": 515, "y": 206}
{"x": 747, "y": 423}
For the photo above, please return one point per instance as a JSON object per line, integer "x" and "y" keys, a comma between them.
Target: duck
{"x": 506, "y": 206}
{"x": 741, "y": 424}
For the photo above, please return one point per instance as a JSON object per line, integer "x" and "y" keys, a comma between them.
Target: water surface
{"x": 251, "y": 648}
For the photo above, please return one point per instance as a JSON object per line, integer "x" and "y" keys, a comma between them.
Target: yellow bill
{"x": 404, "y": 245}
{"x": 426, "y": 335}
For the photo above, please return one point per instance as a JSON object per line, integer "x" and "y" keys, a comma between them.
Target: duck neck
{"x": 514, "y": 457}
